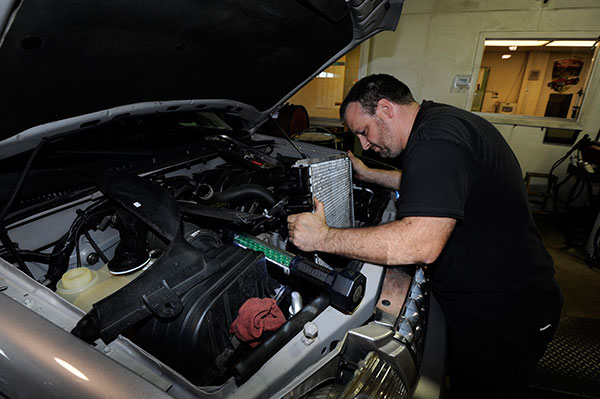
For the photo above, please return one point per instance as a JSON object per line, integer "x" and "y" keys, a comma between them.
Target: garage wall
{"x": 438, "y": 39}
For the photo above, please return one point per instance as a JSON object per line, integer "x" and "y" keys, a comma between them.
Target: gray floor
{"x": 579, "y": 283}
{"x": 571, "y": 365}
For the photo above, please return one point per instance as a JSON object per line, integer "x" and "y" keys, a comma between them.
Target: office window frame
{"x": 525, "y": 120}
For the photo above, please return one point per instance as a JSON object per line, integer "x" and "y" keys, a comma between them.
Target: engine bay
{"x": 167, "y": 258}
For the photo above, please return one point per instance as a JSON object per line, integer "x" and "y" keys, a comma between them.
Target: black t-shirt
{"x": 494, "y": 272}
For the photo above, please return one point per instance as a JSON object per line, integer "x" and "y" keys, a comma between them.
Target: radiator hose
{"x": 246, "y": 191}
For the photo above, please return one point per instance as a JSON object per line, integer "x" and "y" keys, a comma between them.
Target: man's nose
{"x": 364, "y": 143}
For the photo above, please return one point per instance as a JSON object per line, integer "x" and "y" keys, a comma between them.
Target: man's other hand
{"x": 358, "y": 166}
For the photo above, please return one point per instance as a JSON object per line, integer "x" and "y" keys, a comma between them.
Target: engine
{"x": 169, "y": 259}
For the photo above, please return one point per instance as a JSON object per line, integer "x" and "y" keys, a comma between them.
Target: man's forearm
{"x": 407, "y": 241}
{"x": 384, "y": 178}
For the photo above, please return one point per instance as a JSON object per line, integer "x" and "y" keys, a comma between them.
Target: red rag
{"x": 255, "y": 316}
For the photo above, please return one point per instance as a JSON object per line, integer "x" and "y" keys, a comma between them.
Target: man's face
{"x": 372, "y": 131}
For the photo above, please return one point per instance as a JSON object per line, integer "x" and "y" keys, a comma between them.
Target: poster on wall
{"x": 565, "y": 73}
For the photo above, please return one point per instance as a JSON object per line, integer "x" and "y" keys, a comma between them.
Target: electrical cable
{"x": 96, "y": 247}
{"x": 77, "y": 254}
{"x": 21, "y": 182}
{"x": 62, "y": 245}
{"x": 6, "y": 241}
{"x": 518, "y": 78}
{"x": 585, "y": 140}
{"x": 11, "y": 248}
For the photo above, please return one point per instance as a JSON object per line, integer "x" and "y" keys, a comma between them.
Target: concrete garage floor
{"x": 571, "y": 366}
{"x": 579, "y": 282}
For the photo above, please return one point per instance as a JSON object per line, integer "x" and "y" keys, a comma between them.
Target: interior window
{"x": 323, "y": 96}
{"x": 544, "y": 78}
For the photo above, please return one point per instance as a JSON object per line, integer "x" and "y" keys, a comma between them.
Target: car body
{"x": 142, "y": 206}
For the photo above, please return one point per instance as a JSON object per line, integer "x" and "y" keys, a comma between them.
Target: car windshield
{"x": 209, "y": 120}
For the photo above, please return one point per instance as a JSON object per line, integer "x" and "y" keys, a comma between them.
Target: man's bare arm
{"x": 384, "y": 178}
{"x": 407, "y": 241}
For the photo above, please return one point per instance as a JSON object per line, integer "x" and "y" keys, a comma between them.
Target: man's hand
{"x": 384, "y": 178}
{"x": 308, "y": 230}
{"x": 358, "y": 166}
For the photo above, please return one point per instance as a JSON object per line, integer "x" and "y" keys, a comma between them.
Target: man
{"x": 464, "y": 210}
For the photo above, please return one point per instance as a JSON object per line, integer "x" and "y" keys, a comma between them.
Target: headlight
{"x": 374, "y": 378}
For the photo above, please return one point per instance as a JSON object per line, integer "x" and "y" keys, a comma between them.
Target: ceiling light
{"x": 506, "y": 56}
{"x": 512, "y": 48}
{"x": 507, "y": 43}
{"x": 571, "y": 43}
{"x": 326, "y": 75}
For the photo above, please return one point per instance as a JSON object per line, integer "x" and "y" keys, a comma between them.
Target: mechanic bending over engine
{"x": 464, "y": 210}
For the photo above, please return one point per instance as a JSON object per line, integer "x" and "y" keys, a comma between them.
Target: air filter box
{"x": 197, "y": 342}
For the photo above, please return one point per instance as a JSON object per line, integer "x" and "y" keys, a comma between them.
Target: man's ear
{"x": 384, "y": 108}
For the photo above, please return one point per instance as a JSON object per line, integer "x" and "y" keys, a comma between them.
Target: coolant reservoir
{"x": 83, "y": 287}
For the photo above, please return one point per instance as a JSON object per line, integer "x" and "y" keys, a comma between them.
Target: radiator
{"x": 330, "y": 181}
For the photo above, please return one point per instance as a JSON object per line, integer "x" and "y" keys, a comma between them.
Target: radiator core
{"x": 330, "y": 181}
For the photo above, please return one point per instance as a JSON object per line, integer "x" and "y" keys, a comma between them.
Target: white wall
{"x": 438, "y": 39}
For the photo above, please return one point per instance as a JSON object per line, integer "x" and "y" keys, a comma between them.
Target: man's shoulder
{"x": 443, "y": 123}
{"x": 435, "y": 112}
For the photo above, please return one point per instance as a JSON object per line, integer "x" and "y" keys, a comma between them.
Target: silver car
{"x": 144, "y": 248}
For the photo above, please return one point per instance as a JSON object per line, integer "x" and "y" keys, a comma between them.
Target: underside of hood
{"x": 60, "y": 60}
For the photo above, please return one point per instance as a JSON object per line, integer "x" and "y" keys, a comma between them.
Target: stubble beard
{"x": 385, "y": 151}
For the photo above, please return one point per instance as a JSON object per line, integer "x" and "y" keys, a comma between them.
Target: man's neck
{"x": 407, "y": 115}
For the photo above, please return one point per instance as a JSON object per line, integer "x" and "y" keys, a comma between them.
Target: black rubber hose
{"x": 27, "y": 256}
{"x": 246, "y": 191}
{"x": 59, "y": 262}
{"x": 8, "y": 244}
{"x": 96, "y": 247}
{"x": 259, "y": 355}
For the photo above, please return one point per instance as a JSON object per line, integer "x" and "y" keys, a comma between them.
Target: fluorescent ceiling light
{"x": 506, "y": 56}
{"x": 571, "y": 43}
{"x": 507, "y": 43}
{"x": 326, "y": 75}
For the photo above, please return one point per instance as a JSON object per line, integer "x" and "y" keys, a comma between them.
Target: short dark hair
{"x": 370, "y": 89}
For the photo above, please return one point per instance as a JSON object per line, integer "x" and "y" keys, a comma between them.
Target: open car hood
{"x": 67, "y": 66}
